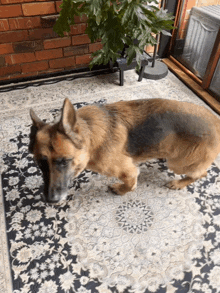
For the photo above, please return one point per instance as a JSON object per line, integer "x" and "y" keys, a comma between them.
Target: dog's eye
{"x": 62, "y": 162}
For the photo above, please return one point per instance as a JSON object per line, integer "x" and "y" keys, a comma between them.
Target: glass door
{"x": 196, "y": 44}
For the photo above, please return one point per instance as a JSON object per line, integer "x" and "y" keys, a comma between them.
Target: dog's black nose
{"x": 52, "y": 200}
{"x": 55, "y": 195}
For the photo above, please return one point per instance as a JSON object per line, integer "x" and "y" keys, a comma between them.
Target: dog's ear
{"x": 37, "y": 122}
{"x": 67, "y": 123}
{"x": 32, "y": 138}
{"x": 68, "y": 117}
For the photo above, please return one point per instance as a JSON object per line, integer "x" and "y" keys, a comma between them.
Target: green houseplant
{"x": 120, "y": 24}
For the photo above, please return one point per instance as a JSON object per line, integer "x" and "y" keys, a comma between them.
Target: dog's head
{"x": 60, "y": 151}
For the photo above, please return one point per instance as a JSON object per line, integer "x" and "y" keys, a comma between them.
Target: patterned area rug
{"x": 150, "y": 240}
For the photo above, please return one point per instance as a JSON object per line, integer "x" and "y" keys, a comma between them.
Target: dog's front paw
{"x": 118, "y": 188}
{"x": 174, "y": 184}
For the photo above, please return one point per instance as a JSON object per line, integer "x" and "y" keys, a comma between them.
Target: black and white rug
{"x": 150, "y": 240}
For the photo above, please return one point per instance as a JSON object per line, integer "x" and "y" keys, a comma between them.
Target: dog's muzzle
{"x": 55, "y": 195}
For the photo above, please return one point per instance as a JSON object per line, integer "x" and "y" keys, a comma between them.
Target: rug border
{"x": 5, "y": 271}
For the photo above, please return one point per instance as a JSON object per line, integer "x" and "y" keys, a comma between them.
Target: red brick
{"x": 57, "y": 43}
{"x": 36, "y": 73}
{"x": 6, "y": 49}
{"x": 149, "y": 49}
{"x": 4, "y": 25}
{"x": 78, "y": 29}
{"x": 81, "y": 39}
{"x": 49, "y": 54}
{"x": 2, "y": 61}
{"x": 85, "y": 59}
{"x": 95, "y": 47}
{"x": 48, "y": 20}
{"x": 5, "y": 78}
{"x": 42, "y": 8}
{"x": 22, "y": 75}
{"x": 62, "y": 63}
{"x": 76, "y": 50}
{"x": 190, "y": 4}
{"x": 24, "y": 23}
{"x": 10, "y": 70}
{"x": 32, "y": 67}
{"x": 58, "y": 3}
{"x": 13, "y": 1}
{"x": 20, "y": 58}
{"x": 28, "y": 46}
{"x": 51, "y": 70}
{"x": 10, "y": 37}
{"x": 79, "y": 19}
{"x": 41, "y": 33}
{"x": 10, "y": 11}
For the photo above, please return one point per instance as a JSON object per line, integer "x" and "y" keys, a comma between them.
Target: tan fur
{"x": 96, "y": 138}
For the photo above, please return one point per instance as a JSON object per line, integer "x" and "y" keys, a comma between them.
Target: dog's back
{"x": 150, "y": 122}
{"x": 185, "y": 134}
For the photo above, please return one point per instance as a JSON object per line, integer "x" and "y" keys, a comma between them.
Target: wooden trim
{"x": 213, "y": 61}
{"x": 176, "y": 23}
{"x": 193, "y": 85}
{"x": 187, "y": 71}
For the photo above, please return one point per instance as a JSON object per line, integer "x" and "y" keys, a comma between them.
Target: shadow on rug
{"x": 150, "y": 240}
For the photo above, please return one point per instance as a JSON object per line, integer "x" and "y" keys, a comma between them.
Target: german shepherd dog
{"x": 112, "y": 139}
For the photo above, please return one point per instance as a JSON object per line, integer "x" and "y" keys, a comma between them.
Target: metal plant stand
{"x": 155, "y": 69}
{"x": 121, "y": 63}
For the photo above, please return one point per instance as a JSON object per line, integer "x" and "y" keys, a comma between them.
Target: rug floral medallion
{"x": 150, "y": 240}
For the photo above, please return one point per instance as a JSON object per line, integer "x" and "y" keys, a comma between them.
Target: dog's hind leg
{"x": 127, "y": 173}
{"x": 193, "y": 172}
{"x": 192, "y": 163}
{"x": 179, "y": 184}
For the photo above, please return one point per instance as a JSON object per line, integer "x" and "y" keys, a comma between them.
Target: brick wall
{"x": 30, "y": 47}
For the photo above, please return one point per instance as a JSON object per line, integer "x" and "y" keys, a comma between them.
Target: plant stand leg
{"x": 121, "y": 77}
{"x": 111, "y": 65}
{"x": 141, "y": 73}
